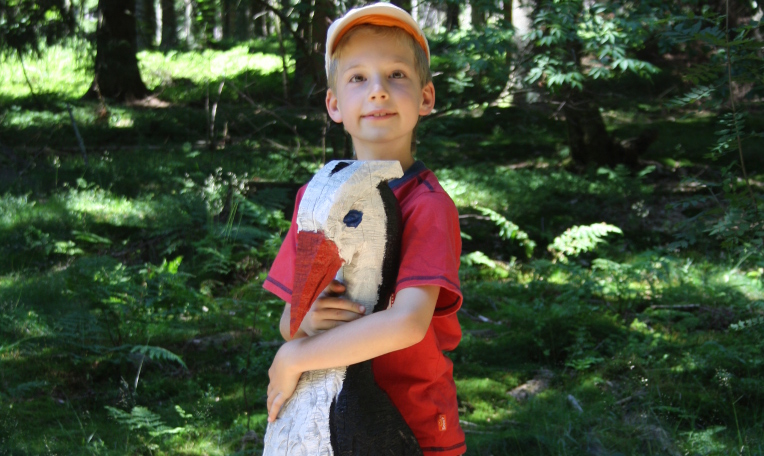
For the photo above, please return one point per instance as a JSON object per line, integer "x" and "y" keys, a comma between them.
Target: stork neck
{"x": 362, "y": 284}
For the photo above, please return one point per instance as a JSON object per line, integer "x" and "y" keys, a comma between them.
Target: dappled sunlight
{"x": 22, "y": 118}
{"x": 99, "y": 205}
{"x": 104, "y": 207}
{"x": 22, "y": 323}
{"x": 52, "y": 71}
{"x": 706, "y": 442}
{"x": 58, "y": 69}
{"x": 41, "y": 292}
{"x": 488, "y": 400}
{"x": 206, "y": 66}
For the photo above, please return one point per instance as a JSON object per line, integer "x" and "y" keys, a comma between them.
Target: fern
{"x": 158, "y": 353}
{"x": 508, "y": 230}
{"x": 580, "y": 239}
{"x": 82, "y": 334}
{"x": 143, "y": 419}
{"x": 479, "y": 259}
{"x": 747, "y": 324}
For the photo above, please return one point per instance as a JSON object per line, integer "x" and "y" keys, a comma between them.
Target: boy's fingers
{"x": 338, "y": 305}
{"x": 338, "y": 316}
{"x": 335, "y": 288}
{"x": 346, "y": 315}
{"x": 273, "y": 409}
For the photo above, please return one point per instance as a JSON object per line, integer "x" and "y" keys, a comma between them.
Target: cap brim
{"x": 381, "y": 14}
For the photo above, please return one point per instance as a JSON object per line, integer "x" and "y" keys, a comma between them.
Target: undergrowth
{"x": 132, "y": 318}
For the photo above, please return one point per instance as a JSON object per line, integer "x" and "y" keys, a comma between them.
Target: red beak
{"x": 317, "y": 263}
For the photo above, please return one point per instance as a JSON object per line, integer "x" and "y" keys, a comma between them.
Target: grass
{"x": 157, "y": 248}
{"x": 61, "y": 70}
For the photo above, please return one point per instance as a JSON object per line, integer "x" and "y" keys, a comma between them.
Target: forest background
{"x": 605, "y": 158}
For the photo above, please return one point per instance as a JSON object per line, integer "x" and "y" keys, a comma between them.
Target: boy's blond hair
{"x": 421, "y": 62}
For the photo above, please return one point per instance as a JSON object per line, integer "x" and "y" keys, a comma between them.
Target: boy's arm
{"x": 401, "y": 326}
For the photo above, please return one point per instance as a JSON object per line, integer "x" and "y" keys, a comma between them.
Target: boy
{"x": 377, "y": 63}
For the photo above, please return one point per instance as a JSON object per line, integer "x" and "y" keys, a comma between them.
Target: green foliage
{"x": 473, "y": 64}
{"x": 132, "y": 317}
{"x": 25, "y": 25}
{"x": 575, "y": 41}
{"x": 64, "y": 72}
{"x": 727, "y": 209}
{"x": 508, "y": 230}
{"x": 746, "y": 324}
{"x": 580, "y": 239}
{"x": 158, "y": 353}
{"x": 144, "y": 420}
{"x": 478, "y": 264}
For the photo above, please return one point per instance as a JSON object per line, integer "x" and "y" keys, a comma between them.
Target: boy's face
{"x": 378, "y": 95}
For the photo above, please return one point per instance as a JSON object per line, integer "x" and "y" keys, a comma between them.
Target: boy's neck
{"x": 385, "y": 152}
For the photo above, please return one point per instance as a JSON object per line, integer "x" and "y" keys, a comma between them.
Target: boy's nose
{"x": 378, "y": 92}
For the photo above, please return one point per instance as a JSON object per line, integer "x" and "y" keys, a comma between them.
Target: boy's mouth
{"x": 378, "y": 115}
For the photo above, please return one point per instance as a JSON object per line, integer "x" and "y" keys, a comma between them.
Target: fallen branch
{"x": 676, "y": 306}
{"x": 574, "y": 402}
{"x": 211, "y": 114}
{"x": 478, "y": 317}
{"x": 77, "y": 132}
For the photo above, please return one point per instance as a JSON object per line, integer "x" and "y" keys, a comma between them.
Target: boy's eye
{"x": 357, "y": 78}
{"x": 397, "y": 75}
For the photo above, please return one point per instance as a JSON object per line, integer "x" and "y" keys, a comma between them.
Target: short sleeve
{"x": 281, "y": 275}
{"x": 430, "y": 249}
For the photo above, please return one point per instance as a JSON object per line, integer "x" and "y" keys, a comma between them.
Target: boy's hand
{"x": 331, "y": 310}
{"x": 283, "y": 380}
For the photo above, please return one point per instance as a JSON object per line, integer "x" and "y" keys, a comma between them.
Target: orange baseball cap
{"x": 383, "y": 14}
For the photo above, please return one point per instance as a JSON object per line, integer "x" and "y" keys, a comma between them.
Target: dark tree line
{"x": 568, "y": 45}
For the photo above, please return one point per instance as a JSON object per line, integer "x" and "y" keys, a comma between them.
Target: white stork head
{"x": 342, "y": 213}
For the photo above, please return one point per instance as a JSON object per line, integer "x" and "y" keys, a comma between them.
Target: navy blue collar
{"x": 410, "y": 173}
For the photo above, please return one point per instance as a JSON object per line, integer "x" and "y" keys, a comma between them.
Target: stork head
{"x": 341, "y": 213}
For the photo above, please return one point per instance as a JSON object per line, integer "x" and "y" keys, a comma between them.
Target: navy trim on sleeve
{"x": 278, "y": 284}
{"x": 441, "y": 309}
{"x": 428, "y": 278}
{"x": 438, "y": 449}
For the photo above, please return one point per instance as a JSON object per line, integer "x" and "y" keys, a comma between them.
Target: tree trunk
{"x": 259, "y": 25}
{"x": 303, "y": 64}
{"x": 588, "y": 138}
{"x": 507, "y": 8}
{"x": 478, "y": 14}
{"x": 146, "y": 15}
{"x": 169, "y": 25}
{"x": 322, "y": 16}
{"x": 244, "y": 14}
{"x": 591, "y": 144}
{"x": 453, "y": 9}
{"x": 116, "y": 66}
{"x": 188, "y": 26}
{"x": 227, "y": 14}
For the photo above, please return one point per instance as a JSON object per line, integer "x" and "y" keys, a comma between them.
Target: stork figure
{"x": 349, "y": 225}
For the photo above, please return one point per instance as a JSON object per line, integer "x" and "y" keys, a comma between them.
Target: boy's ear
{"x": 332, "y": 106}
{"x": 428, "y": 99}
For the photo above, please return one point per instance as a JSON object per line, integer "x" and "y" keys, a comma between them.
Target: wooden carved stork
{"x": 349, "y": 225}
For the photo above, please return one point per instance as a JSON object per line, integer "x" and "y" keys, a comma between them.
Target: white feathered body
{"x": 302, "y": 428}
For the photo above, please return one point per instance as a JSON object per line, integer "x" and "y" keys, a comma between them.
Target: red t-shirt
{"x": 418, "y": 379}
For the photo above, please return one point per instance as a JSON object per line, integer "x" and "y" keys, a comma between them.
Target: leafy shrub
{"x": 580, "y": 239}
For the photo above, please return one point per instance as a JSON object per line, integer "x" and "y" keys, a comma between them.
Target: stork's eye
{"x": 353, "y": 218}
